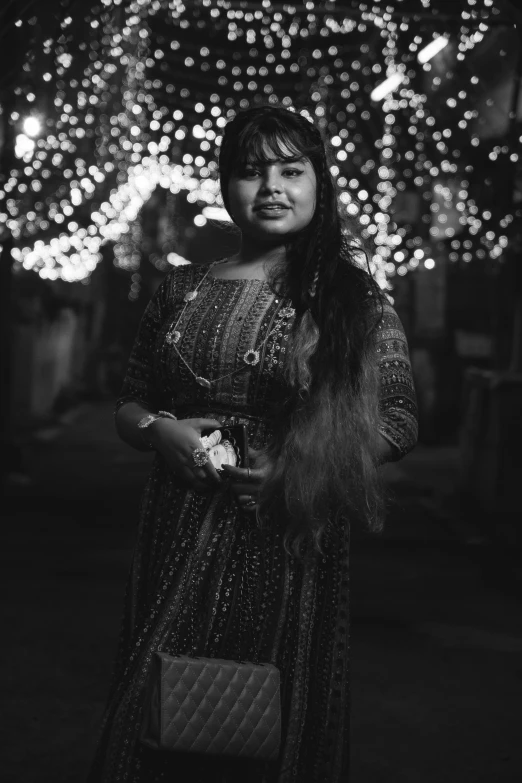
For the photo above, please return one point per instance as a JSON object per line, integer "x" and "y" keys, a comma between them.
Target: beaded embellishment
{"x": 173, "y": 338}
{"x": 251, "y": 357}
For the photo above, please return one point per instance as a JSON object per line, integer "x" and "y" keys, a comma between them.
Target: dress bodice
{"x": 223, "y": 324}
{"x": 233, "y": 333}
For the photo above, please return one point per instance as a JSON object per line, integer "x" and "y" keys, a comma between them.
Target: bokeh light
{"x": 138, "y": 98}
{"x": 32, "y": 126}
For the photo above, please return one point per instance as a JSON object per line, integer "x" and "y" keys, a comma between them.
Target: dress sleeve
{"x": 398, "y": 401}
{"x": 139, "y": 384}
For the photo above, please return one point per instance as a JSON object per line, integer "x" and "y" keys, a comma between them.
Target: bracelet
{"x": 152, "y": 418}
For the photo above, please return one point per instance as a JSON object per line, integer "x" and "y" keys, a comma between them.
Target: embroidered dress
{"x": 191, "y": 548}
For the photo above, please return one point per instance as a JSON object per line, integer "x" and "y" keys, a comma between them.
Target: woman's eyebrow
{"x": 295, "y": 159}
{"x": 273, "y": 161}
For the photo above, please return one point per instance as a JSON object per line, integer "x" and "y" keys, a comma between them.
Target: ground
{"x": 436, "y": 621}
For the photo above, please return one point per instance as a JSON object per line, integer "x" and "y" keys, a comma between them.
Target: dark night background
{"x": 86, "y": 235}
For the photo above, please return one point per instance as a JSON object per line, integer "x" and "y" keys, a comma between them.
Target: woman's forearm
{"x": 127, "y": 419}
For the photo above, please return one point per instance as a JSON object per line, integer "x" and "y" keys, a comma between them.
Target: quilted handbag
{"x": 213, "y": 706}
{"x": 210, "y": 705}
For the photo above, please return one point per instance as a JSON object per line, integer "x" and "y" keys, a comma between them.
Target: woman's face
{"x": 271, "y": 199}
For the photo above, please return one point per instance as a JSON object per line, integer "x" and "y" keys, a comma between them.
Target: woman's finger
{"x": 247, "y": 502}
{"x": 189, "y": 476}
{"x": 244, "y": 474}
{"x": 190, "y": 480}
{"x": 199, "y": 475}
{"x": 207, "y": 471}
{"x": 211, "y": 473}
{"x": 258, "y": 457}
{"x": 206, "y": 424}
{"x": 197, "y": 479}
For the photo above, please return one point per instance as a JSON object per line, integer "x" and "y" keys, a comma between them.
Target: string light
{"x": 431, "y": 49}
{"x": 388, "y": 86}
{"x": 118, "y": 124}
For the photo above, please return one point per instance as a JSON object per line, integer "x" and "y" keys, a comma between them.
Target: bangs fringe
{"x": 264, "y": 144}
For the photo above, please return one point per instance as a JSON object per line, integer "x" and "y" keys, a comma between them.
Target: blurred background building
{"x": 111, "y": 118}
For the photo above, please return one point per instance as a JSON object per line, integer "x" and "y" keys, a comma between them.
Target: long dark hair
{"x": 324, "y": 452}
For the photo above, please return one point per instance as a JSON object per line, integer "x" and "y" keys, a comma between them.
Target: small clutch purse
{"x": 213, "y": 706}
{"x": 227, "y": 445}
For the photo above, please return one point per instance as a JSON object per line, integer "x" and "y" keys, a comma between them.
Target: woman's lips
{"x": 271, "y": 210}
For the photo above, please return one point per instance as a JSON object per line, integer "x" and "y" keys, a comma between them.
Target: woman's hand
{"x": 176, "y": 441}
{"x": 245, "y": 482}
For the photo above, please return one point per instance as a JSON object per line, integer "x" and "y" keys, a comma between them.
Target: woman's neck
{"x": 252, "y": 261}
{"x": 254, "y": 254}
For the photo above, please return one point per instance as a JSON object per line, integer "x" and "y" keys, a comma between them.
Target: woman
{"x": 292, "y": 338}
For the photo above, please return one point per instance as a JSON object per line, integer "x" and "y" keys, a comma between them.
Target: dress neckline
{"x": 233, "y": 279}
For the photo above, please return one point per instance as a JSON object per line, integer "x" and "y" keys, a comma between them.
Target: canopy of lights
{"x": 133, "y": 96}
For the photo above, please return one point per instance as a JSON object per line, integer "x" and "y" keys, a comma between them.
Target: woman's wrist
{"x": 164, "y": 432}
{"x": 149, "y": 432}
{"x": 153, "y": 433}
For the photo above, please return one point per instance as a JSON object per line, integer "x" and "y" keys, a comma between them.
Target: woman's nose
{"x": 272, "y": 182}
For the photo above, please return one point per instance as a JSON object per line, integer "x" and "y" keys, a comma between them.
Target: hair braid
{"x": 306, "y": 336}
{"x": 320, "y": 211}
{"x": 312, "y": 291}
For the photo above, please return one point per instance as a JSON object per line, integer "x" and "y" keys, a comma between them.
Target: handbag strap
{"x": 249, "y": 577}
{"x": 248, "y": 605}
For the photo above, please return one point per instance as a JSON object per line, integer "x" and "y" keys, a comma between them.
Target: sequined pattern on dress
{"x": 190, "y": 549}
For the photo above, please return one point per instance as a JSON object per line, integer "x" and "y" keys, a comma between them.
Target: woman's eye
{"x": 293, "y": 172}
{"x": 250, "y": 172}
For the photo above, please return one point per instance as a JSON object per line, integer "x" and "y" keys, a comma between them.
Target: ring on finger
{"x": 251, "y": 501}
{"x": 200, "y": 457}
